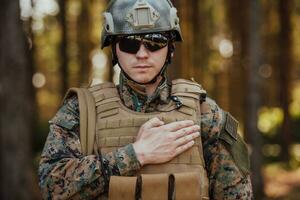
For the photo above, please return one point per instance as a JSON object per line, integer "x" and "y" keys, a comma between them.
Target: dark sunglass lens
{"x": 129, "y": 45}
{"x": 154, "y": 42}
{"x": 154, "y": 46}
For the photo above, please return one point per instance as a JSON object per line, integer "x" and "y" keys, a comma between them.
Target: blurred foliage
{"x": 211, "y": 49}
{"x": 269, "y": 120}
{"x": 281, "y": 183}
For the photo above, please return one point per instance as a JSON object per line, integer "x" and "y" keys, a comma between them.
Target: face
{"x": 144, "y": 65}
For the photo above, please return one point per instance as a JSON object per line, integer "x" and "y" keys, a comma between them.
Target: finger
{"x": 154, "y": 122}
{"x": 174, "y": 126}
{"x": 186, "y": 139}
{"x": 186, "y": 131}
{"x": 183, "y": 148}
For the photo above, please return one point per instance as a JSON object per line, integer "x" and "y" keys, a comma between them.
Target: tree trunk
{"x": 254, "y": 100}
{"x": 16, "y": 105}
{"x": 84, "y": 42}
{"x": 183, "y": 61}
{"x": 237, "y": 20}
{"x": 285, "y": 64}
{"x": 64, "y": 72}
{"x": 198, "y": 40}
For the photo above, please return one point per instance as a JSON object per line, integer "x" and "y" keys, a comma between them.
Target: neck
{"x": 150, "y": 88}
{"x": 147, "y": 89}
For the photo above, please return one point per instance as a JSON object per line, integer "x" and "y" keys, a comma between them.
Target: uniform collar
{"x": 134, "y": 95}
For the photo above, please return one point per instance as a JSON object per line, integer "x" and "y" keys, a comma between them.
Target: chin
{"x": 143, "y": 80}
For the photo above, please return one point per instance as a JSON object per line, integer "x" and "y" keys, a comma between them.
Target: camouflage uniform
{"x": 65, "y": 173}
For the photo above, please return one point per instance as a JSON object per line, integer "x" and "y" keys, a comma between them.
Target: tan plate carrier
{"x": 106, "y": 124}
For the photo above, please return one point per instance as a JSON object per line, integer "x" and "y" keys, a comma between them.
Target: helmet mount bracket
{"x": 142, "y": 15}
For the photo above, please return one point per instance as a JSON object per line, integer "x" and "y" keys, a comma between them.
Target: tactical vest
{"x": 107, "y": 124}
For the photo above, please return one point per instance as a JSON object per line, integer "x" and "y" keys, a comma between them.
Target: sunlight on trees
{"x": 296, "y": 151}
{"x": 99, "y": 61}
{"x": 26, "y": 9}
{"x": 38, "y": 80}
{"x": 215, "y": 52}
{"x": 45, "y": 7}
{"x": 271, "y": 150}
{"x": 226, "y": 48}
{"x": 269, "y": 120}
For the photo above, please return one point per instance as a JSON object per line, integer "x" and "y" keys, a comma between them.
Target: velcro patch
{"x": 231, "y": 125}
{"x": 235, "y": 144}
{"x": 229, "y": 131}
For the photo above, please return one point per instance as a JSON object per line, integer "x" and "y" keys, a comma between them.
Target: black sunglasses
{"x": 132, "y": 43}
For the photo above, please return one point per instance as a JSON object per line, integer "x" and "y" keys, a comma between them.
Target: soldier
{"x": 147, "y": 138}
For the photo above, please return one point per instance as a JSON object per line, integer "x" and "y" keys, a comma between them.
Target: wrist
{"x": 139, "y": 154}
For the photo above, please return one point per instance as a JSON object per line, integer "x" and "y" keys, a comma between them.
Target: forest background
{"x": 246, "y": 54}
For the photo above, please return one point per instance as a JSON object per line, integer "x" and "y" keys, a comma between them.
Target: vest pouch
{"x": 122, "y": 187}
{"x": 189, "y": 186}
{"x": 155, "y": 186}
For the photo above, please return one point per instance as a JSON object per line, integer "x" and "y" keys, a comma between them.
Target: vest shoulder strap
{"x": 87, "y": 114}
{"x": 187, "y": 88}
{"x": 105, "y": 93}
{"x": 190, "y": 93}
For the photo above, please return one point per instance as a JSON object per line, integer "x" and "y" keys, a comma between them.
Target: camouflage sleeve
{"x": 65, "y": 173}
{"x": 226, "y": 164}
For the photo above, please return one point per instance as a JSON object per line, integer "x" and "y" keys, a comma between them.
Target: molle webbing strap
{"x": 155, "y": 186}
{"x": 121, "y": 187}
{"x": 87, "y": 112}
{"x": 104, "y": 91}
{"x": 106, "y": 94}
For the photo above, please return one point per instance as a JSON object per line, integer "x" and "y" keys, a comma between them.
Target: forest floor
{"x": 281, "y": 184}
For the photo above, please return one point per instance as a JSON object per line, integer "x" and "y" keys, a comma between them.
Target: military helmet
{"x": 139, "y": 17}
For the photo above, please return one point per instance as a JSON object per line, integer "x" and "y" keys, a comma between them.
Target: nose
{"x": 142, "y": 52}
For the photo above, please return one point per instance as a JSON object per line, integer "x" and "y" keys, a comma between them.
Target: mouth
{"x": 142, "y": 67}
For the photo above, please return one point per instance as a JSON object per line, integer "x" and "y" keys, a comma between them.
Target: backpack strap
{"x": 87, "y": 115}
